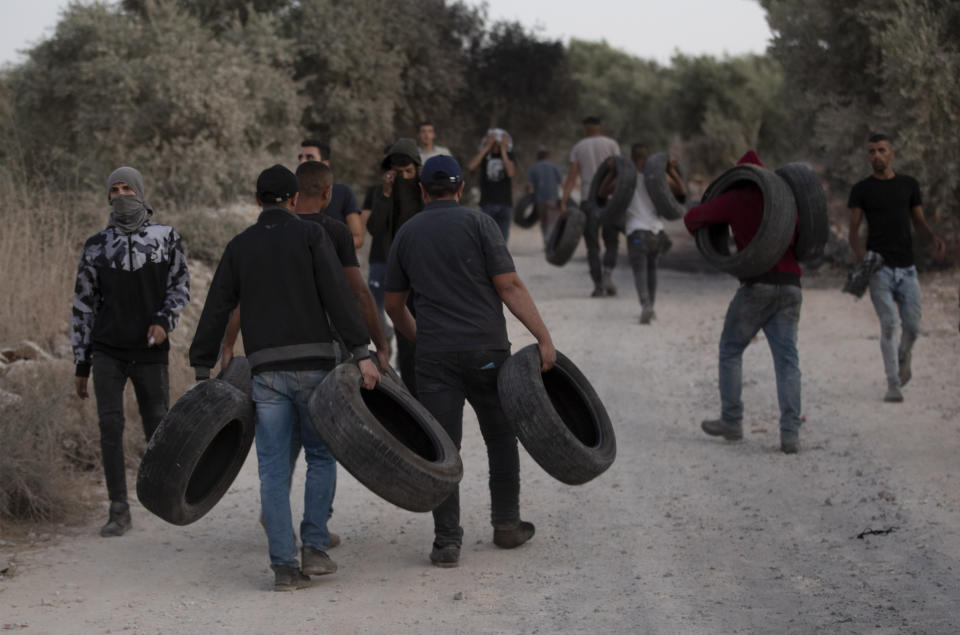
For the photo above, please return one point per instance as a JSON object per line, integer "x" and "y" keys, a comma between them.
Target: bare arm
{"x": 368, "y": 309}
{"x": 568, "y": 184}
{"x": 674, "y": 180}
{"x": 396, "y": 305}
{"x": 508, "y": 165}
{"x": 478, "y": 157}
{"x": 920, "y": 224}
{"x": 230, "y": 339}
{"x": 856, "y": 217}
{"x": 514, "y": 294}
{"x": 356, "y": 225}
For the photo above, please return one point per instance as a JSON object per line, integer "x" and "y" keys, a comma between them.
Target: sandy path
{"x": 683, "y": 534}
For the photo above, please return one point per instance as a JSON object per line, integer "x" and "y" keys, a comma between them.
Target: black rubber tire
{"x": 525, "y": 211}
{"x": 237, "y": 374}
{"x": 612, "y": 210}
{"x": 773, "y": 236}
{"x": 196, "y": 452}
{"x": 566, "y": 235}
{"x": 813, "y": 226}
{"x": 655, "y": 180}
{"x": 557, "y": 416}
{"x": 386, "y": 439}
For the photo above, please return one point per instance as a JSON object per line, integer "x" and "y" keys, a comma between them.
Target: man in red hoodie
{"x": 770, "y": 301}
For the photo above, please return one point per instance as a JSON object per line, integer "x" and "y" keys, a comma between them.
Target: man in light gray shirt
{"x": 426, "y": 133}
{"x": 585, "y": 157}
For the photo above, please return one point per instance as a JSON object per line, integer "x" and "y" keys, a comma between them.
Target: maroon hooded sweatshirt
{"x": 742, "y": 209}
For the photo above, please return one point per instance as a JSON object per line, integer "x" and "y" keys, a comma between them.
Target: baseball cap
{"x": 276, "y": 184}
{"x": 440, "y": 169}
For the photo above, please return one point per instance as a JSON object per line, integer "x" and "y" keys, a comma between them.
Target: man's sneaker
{"x": 789, "y": 442}
{"x": 334, "y": 541}
{"x": 607, "y": 283}
{"x": 316, "y": 562}
{"x": 893, "y": 394}
{"x": 514, "y": 535}
{"x": 719, "y": 428}
{"x": 598, "y": 292}
{"x": 119, "y": 521}
{"x": 289, "y": 578}
{"x": 905, "y": 372}
{"x": 647, "y": 316}
{"x": 446, "y": 557}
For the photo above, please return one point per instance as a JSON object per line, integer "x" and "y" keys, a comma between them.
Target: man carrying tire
{"x": 890, "y": 202}
{"x": 131, "y": 285}
{"x": 585, "y": 157}
{"x": 286, "y": 274}
{"x": 543, "y": 181}
{"x": 770, "y": 301}
{"x": 646, "y": 240}
{"x": 457, "y": 265}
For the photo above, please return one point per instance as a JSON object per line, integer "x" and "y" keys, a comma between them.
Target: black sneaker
{"x": 647, "y": 316}
{"x": 289, "y": 578}
{"x": 789, "y": 443}
{"x": 119, "y": 521}
{"x": 316, "y": 562}
{"x": 893, "y": 394}
{"x": 719, "y": 428}
{"x": 446, "y": 557}
{"x": 513, "y": 536}
{"x": 598, "y": 292}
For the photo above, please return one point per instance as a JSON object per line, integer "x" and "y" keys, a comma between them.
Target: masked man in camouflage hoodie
{"x": 132, "y": 283}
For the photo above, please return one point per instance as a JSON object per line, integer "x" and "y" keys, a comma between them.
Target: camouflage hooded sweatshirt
{"x": 126, "y": 282}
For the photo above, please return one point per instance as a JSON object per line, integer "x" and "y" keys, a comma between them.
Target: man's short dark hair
{"x": 542, "y": 154}
{"x": 878, "y": 137}
{"x": 314, "y": 178}
{"x": 639, "y": 150}
{"x": 426, "y": 122}
{"x": 592, "y": 120}
{"x": 441, "y": 190}
{"x": 324, "y": 148}
{"x": 398, "y": 160}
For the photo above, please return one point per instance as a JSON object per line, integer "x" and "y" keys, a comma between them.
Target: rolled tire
{"x": 237, "y": 374}
{"x": 813, "y": 226}
{"x": 655, "y": 180}
{"x": 773, "y": 236}
{"x": 386, "y": 439}
{"x": 196, "y": 452}
{"x": 557, "y": 416}
{"x": 565, "y": 235}
{"x": 525, "y": 211}
{"x": 612, "y": 210}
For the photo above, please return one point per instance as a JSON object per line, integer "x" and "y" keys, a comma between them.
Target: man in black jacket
{"x": 131, "y": 284}
{"x": 287, "y": 276}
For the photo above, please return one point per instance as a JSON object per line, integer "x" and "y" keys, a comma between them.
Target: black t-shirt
{"x": 342, "y": 203}
{"x": 495, "y": 185}
{"x": 339, "y": 235}
{"x": 448, "y": 255}
{"x": 886, "y": 204}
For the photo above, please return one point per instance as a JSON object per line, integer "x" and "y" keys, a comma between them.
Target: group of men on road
{"x": 443, "y": 274}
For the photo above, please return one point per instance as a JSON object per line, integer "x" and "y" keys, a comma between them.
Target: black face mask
{"x": 408, "y": 193}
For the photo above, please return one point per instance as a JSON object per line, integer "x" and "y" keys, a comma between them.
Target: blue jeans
{"x": 281, "y": 401}
{"x": 501, "y": 214}
{"x": 893, "y": 290}
{"x": 774, "y": 308}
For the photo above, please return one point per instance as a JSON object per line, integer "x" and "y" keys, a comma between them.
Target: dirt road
{"x": 684, "y": 534}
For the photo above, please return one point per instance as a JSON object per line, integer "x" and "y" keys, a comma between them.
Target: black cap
{"x": 276, "y": 184}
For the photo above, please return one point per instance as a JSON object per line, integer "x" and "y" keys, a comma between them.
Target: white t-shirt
{"x": 588, "y": 153}
{"x": 432, "y": 152}
{"x": 641, "y": 213}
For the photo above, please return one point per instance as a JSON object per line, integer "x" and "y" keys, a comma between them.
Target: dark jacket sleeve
{"x": 222, "y": 298}
{"x": 337, "y": 297}
{"x": 86, "y": 303}
{"x": 178, "y": 286}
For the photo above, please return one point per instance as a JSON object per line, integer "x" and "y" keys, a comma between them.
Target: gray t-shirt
{"x": 588, "y": 154}
{"x": 546, "y": 178}
{"x": 448, "y": 256}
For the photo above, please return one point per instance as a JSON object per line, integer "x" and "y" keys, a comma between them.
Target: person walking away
{"x": 543, "y": 181}
{"x": 644, "y": 231}
{"x": 770, "y": 301}
{"x": 585, "y": 158}
{"x": 890, "y": 203}
{"x": 132, "y": 283}
{"x": 497, "y": 164}
{"x": 456, "y": 265}
{"x": 284, "y": 270}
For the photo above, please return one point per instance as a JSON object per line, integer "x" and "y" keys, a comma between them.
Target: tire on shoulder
{"x": 773, "y": 236}
{"x": 196, "y": 452}
{"x": 565, "y": 235}
{"x": 655, "y": 180}
{"x": 558, "y": 416}
{"x": 813, "y": 225}
{"x": 386, "y": 439}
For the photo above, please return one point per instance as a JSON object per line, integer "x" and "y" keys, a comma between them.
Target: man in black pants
{"x": 132, "y": 283}
{"x": 457, "y": 264}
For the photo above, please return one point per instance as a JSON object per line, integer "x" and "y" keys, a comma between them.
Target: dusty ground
{"x": 684, "y": 533}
